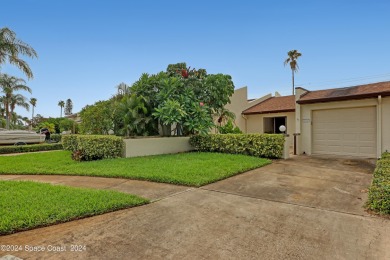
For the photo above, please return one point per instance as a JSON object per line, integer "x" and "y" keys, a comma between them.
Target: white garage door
{"x": 349, "y": 131}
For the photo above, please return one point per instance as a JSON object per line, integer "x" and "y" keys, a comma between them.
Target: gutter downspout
{"x": 245, "y": 118}
{"x": 379, "y": 127}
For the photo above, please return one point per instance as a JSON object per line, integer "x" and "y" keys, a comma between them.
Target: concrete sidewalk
{"x": 150, "y": 190}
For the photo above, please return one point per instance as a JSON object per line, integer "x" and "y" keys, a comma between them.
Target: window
{"x": 271, "y": 124}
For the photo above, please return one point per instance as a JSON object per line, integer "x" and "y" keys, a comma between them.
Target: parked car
{"x": 20, "y": 137}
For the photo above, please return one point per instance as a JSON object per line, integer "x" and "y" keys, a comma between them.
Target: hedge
{"x": 69, "y": 142}
{"x": 259, "y": 145}
{"x": 379, "y": 192}
{"x": 56, "y": 137}
{"x": 93, "y": 147}
{"x": 29, "y": 148}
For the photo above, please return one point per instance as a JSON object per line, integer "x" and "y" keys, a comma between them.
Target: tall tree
{"x": 292, "y": 57}
{"x": 8, "y": 85}
{"x": 11, "y": 48}
{"x": 18, "y": 100}
{"x": 33, "y": 102}
{"x": 68, "y": 107}
{"x": 123, "y": 89}
{"x": 61, "y": 104}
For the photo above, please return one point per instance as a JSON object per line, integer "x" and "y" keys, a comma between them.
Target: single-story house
{"x": 352, "y": 121}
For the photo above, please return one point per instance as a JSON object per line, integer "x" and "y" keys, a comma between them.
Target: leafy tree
{"x": 175, "y": 96}
{"x": 8, "y": 85}
{"x": 11, "y": 48}
{"x": 61, "y": 104}
{"x": 66, "y": 124}
{"x": 60, "y": 124}
{"x": 37, "y": 120}
{"x": 292, "y": 57}
{"x": 33, "y": 102}
{"x": 68, "y": 107}
{"x": 97, "y": 118}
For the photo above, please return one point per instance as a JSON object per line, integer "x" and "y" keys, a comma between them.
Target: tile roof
{"x": 273, "y": 105}
{"x": 355, "y": 92}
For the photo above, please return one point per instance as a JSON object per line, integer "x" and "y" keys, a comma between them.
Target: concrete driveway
{"x": 303, "y": 208}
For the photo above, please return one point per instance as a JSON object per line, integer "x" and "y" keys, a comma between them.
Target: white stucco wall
{"x": 255, "y": 123}
{"x": 383, "y": 121}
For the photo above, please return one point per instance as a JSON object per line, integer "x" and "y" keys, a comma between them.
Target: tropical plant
{"x": 61, "y": 104}
{"x": 49, "y": 126}
{"x": 8, "y": 85}
{"x": 229, "y": 128}
{"x": 136, "y": 117}
{"x": 68, "y": 107}
{"x": 33, "y": 102}
{"x": 11, "y": 48}
{"x": 292, "y": 57}
{"x": 224, "y": 115}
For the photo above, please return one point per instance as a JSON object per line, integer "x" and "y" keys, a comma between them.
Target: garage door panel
{"x": 348, "y": 131}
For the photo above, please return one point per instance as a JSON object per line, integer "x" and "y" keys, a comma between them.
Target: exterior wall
{"x": 385, "y": 129}
{"x": 156, "y": 145}
{"x": 239, "y": 102}
{"x": 383, "y": 121}
{"x": 255, "y": 123}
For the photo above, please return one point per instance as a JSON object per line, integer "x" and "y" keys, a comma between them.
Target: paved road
{"x": 302, "y": 208}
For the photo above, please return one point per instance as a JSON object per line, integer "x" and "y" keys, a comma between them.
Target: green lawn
{"x": 192, "y": 169}
{"x": 26, "y": 205}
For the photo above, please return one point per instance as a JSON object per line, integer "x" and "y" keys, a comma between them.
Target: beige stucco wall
{"x": 255, "y": 122}
{"x": 156, "y": 145}
{"x": 385, "y": 130}
{"x": 383, "y": 121}
{"x": 238, "y": 102}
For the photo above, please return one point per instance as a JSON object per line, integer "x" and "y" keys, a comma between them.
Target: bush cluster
{"x": 56, "y": 137}
{"x": 93, "y": 147}
{"x": 379, "y": 192}
{"x": 29, "y": 148}
{"x": 259, "y": 145}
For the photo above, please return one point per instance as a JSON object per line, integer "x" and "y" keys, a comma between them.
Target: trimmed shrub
{"x": 69, "y": 142}
{"x": 259, "y": 145}
{"x": 56, "y": 137}
{"x": 379, "y": 192}
{"x": 29, "y": 148}
{"x": 93, "y": 147}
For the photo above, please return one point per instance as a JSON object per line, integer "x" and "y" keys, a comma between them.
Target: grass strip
{"x": 191, "y": 169}
{"x": 25, "y": 204}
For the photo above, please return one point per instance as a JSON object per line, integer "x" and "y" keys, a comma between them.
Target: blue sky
{"x": 88, "y": 47}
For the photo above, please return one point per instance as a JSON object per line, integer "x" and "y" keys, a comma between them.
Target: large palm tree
{"x": 8, "y": 85}
{"x": 33, "y": 102}
{"x": 61, "y": 104}
{"x": 18, "y": 100}
{"x": 292, "y": 57}
{"x": 11, "y": 48}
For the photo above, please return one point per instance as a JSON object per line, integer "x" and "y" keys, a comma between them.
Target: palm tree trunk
{"x": 61, "y": 112}
{"x": 8, "y": 118}
{"x": 293, "y": 87}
